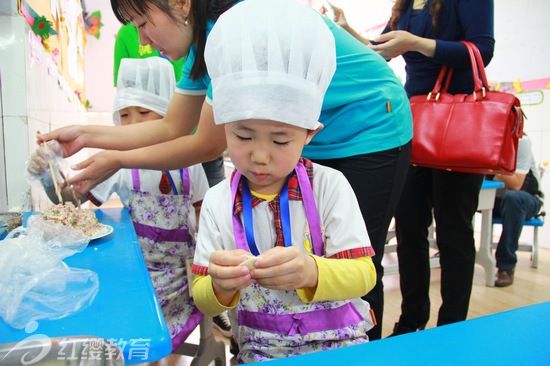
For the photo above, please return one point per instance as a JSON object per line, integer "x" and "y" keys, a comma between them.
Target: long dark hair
{"x": 401, "y": 5}
{"x": 201, "y": 10}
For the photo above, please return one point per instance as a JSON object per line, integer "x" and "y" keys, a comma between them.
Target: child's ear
{"x": 311, "y": 133}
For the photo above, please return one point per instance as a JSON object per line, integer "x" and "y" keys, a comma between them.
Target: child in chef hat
{"x": 282, "y": 240}
{"x": 163, "y": 205}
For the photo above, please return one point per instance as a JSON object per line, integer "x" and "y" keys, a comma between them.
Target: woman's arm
{"x": 474, "y": 18}
{"x": 395, "y": 43}
{"x": 181, "y": 119}
{"x": 340, "y": 19}
{"x": 206, "y": 144}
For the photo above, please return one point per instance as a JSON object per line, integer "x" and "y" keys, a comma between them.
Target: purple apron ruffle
{"x": 194, "y": 320}
{"x": 302, "y": 323}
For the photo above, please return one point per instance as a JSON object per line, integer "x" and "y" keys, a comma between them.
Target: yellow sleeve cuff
{"x": 340, "y": 279}
{"x": 205, "y": 298}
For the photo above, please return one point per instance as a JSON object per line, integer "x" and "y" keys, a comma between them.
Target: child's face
{"x": 131, "y": 115}
{"x": 265, "y": 152}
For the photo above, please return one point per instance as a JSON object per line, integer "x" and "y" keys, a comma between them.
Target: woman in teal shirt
{"x": 366, "y": 117}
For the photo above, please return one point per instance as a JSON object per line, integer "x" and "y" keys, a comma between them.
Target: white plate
{"x": 106, "y": 230}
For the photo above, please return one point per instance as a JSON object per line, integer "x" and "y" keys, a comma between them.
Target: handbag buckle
{"x": 430, "y": 96}
{"x": 482, "y": 93}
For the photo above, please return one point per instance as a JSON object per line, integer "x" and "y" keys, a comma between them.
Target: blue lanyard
{"x": 249, "y": 222}
{"x": 174, "y": 189}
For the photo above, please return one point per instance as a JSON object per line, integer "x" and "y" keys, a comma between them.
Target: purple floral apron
{"x": 161, "y": 224}
{"x": 275, "y": 324}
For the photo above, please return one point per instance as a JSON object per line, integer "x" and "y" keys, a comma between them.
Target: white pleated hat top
{"x": 147, "y": 83}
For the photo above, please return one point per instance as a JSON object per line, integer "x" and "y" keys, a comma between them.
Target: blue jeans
{"x": 514, "y": 208}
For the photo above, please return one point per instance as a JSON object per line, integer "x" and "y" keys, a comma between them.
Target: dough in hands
{"x": 249, "y": 263}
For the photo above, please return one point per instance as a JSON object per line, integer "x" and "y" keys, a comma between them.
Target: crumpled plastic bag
{"x": 35, "y": 283}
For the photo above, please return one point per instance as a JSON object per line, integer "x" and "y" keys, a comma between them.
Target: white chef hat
{"x": 270, "y": 59}
{"x": 147, "y": 83}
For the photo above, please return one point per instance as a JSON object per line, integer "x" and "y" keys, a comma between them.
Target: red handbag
{"x": 472, "y": 133}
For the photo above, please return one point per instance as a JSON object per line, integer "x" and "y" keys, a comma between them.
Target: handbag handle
{"x": 437, "y": 90}
{"x": 478, "y": 69}
{"x": 478, "y": 73}
{"x": 479, "y": 62}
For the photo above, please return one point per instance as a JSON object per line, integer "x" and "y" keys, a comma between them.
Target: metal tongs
{"x": 64, "y": 180}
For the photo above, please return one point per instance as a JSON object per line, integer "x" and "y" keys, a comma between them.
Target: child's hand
{"x": 228, "y": 276}
{"x": 285, "y": 269}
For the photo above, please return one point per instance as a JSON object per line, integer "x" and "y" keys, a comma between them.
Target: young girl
{"x": 164, "y": 206}
{"x": 283, "y": 239}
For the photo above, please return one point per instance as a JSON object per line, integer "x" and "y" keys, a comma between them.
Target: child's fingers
{"x": 229, "y": 258}
{"x": 277, "y": 256}
{"x": 230, "y": 278}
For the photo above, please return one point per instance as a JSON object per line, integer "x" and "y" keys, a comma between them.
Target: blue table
{"x": 515, "y": 337}
{"x": 125, "y": 310}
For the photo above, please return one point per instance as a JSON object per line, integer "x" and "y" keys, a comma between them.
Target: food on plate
{"x": 67, "y": 214}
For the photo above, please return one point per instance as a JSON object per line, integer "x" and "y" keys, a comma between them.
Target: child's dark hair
{"x": 201, "y": 10}
{"x": 401, "y": 5}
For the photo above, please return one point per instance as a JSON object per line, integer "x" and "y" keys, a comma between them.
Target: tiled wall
{"x": 32, "y": 101}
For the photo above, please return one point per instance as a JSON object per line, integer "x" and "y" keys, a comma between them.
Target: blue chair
{"x": 535, "y": 222}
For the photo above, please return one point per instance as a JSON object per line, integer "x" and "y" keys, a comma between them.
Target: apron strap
{"x": 312, "y": 213}
{"x": 135, "y": 179}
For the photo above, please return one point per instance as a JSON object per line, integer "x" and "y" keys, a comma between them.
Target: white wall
{"x": 31, "y": 101}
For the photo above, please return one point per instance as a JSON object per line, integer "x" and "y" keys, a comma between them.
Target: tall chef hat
{"x": 147, "y": 83}
{"x": 270, "y": 59}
